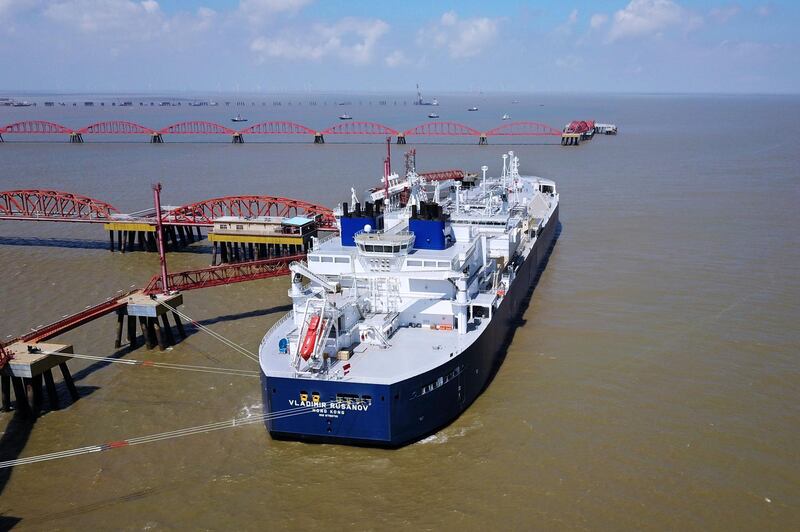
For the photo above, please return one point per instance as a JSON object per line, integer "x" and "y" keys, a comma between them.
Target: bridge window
{"x": 327, "y": 259}
{"x": 412, "y": 262}
{"x": 342, "y": 260}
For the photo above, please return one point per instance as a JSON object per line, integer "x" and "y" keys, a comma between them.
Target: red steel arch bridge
{"x": 283, "y": 127}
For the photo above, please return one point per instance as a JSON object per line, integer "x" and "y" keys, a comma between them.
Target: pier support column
{"x": 22, "y": 405}
{"x": 318, "y": 138}
{"x": 179, "y": 325}
{"x": 120, "y": 322}
{"x": 181, "y": 235}
{"x": 34, "y": 385}
{"x": 132, "y": 332}
{"x": 75, "y": 138}
{"x": 111, "y": 241}
{"x": 5, "y": 384}
{"x": 50, "y": 384}
{"x": 156, "y": 138}
{"x": 167, "y": 329}
{"x": 482, "y": 141}
{"x": 153, "y": 324}
{"x": 238, "y": 138}
{"x": 73, "y": 391}
{"x": 401, "y": 139}
{"x": 148, "y": 339}
{"x": 214, "y": 254}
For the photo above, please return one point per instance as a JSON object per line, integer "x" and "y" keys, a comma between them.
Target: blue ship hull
{"x": 398, "y": 414}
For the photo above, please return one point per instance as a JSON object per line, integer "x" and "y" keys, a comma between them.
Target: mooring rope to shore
{"x": 153, "y": 364}
{"x": 233, "y": 345}
{"x": 151, "y": 438}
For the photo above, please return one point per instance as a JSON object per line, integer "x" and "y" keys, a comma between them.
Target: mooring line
{"x": 200, "y": 429}
{"x": 154, "y": 364}
{"x": 252, "y": 356}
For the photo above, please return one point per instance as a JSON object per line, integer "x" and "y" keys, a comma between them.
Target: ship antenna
{"x": 387, "y": 168}
{"x": 483, "y": 181}
{"x": 505, "y": 172}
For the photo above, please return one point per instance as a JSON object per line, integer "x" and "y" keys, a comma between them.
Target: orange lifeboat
{"x": 311, "y": 338}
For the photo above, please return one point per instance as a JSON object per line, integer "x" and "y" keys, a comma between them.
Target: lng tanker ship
{"x": 399, "y": 321}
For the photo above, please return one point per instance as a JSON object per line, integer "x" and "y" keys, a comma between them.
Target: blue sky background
{"x": 359, "y": 45}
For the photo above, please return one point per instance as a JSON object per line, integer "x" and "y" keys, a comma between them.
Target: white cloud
{"x": 461, "y": 37}
{"x": 93, "y": 16}
{"x": 597, "y": 20}
{"x": 725, "y": 13}
{"x": 351, "y": 39}
{"x": 570, "y": 62}
{"x": 764, "y": 10}
{"x": 396, "y": 58}
{"x": 117, "y": 24}
{"x": 573, "y": 16}
{"x": 9, "y": 7}
{"x": 647, "y": 17}
{"x": 259, "y": 10}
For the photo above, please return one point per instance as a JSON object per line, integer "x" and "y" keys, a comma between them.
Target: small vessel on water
{"x": 238, "y": 118}
{"x": 433, "y": 115}
{"x": 399, "y": 321}
{"x": 473, "y": 108}
{"x": 345, "y": 117}
{"x": 506, "y": 116}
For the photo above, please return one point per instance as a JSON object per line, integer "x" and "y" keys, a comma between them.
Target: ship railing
{"x": 275, "y": 326}
{"x": 321, "y": 240}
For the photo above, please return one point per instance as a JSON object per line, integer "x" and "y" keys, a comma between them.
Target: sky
{"x": 272, "y": 46}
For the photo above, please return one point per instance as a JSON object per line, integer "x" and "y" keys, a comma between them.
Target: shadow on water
{"x": 240, "y": 316}
{"x": 18, "y": 432}
{"x": 526, "y": 300}
{"x": 19, "y": 429}
{"x": 75, "y": 243}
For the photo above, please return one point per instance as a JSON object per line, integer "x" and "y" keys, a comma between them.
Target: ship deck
{"x": 411, "y": 351}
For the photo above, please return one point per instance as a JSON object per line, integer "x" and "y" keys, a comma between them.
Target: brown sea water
{"x": 654, "y": 384}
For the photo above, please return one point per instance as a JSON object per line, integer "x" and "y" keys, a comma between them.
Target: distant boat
{"x": 514, "y": 101}
{"x": 472, "y": 109}
{"x": 345, "y": 117}
{"x": 433, "y": 115}
{"x": 238, "y": 118}
{"x": 506, "y": 116}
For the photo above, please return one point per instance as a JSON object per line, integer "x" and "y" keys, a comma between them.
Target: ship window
{"x": 443, "y": 264}
{"x": 396, "y": 249}
{"x": 430, "y": 263}
{"x": 369, "y": 248}
{"x": 313, "y": 258}
{"x": 404, "y": 246}
{"x": 240, "y": 227}
{"x": 223, "y": 226}
{"x": 327, "y": 259}
{"x": 412, "y": 262}
{"x": 342, "y": 260}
